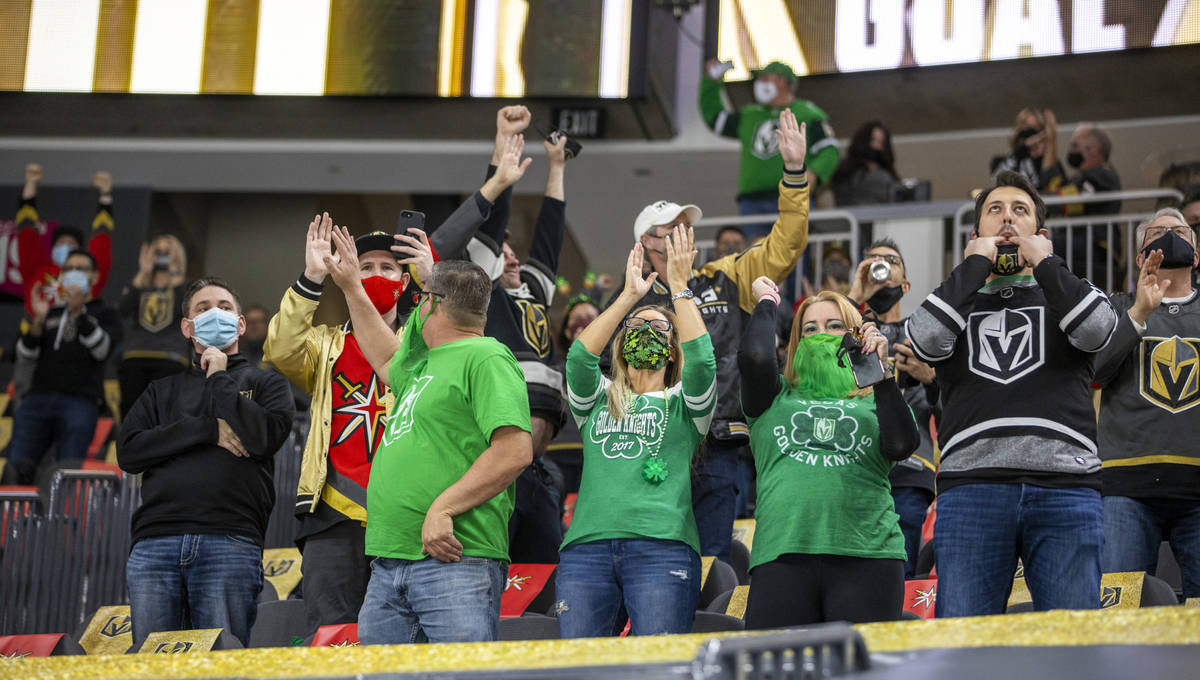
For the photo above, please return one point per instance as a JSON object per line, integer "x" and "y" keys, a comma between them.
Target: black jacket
{"x": 70, "y": 353}
{"x": 189, "y": 484}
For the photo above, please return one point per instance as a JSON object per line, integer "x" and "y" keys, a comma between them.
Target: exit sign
{"x": 580, "y": 123}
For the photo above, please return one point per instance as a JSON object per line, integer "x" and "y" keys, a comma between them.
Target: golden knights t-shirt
{"x": 822, "y": 481}
{"x": 442, "y": 421}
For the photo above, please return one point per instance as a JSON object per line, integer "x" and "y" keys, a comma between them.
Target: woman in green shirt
{"x": 827, "y": 546}
{"x": 633, "y": 539}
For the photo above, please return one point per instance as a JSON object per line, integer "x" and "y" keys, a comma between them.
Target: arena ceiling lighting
{"x": 859, "y": 35}
{"x": 451, "y": 48}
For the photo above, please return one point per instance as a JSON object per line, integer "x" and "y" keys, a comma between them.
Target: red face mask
{"x": 383, "y": 292}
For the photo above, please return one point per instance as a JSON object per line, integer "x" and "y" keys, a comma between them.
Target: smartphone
{"x": 409, "y": 219}
{"x": 867, "y": 368}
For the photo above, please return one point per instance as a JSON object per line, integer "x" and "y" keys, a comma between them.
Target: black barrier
{"x": 824, "y": 651}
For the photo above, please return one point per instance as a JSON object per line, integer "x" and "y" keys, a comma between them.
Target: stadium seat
{"x": 740, "y": 561}
{"x": 714, "y": 622}
{"x": 721, "y": 579}
{"x": 529, "y": 627}
{"x": 906, "y": 615}
{"x": 925, "y": 561}
{"x": 1157, "y": 593}
{"x": 279, "y": 624}
{"x": 720, "y": 603}
{"x": 188, "y": 641}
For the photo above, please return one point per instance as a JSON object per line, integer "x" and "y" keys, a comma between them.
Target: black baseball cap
{"x": 376, "y": 240}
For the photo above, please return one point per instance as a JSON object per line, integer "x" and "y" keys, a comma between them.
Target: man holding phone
{"x": 350, "y": 401}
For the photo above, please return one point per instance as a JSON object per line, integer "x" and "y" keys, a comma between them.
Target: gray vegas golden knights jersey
{"x": 1149, "y": 422}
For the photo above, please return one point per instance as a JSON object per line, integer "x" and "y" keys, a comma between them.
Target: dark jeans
{"x": 796, "y": 590}
{"x": 44, "y": 418}
{"x": 658, "y": 581}
{"x": 535, "y": 527}
{"x": 911, "y": 504}
{"x": 194, "y": 581}
{"x": 336, "y": 572}
{"x": 714, "y": 497}
{"x": 135, "y": 375}
{"x": 983, "y": 528}
{"x": 1134, "y": 528}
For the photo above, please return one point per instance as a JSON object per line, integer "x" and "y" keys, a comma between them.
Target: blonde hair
{"x": 620, "y": 391}
{"x": 1019, "y": 122}
{"x": 850, "y": 316}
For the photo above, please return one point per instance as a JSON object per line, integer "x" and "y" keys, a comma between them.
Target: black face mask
{"x": 1019, "y": 148}
{"x": 878, "y": 157}
{"x": 1177, "y": 253}
{"x": 1007, "y": 262}
{"x": 1074, "y": 159}
{"x": 885, "y": 299}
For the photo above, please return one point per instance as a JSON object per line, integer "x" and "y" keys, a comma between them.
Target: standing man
{"x": 66, "y": 345}
{"x": 722, "y": 290}
{"x": 204, "y": 442}
{"x": 1013, "y": 334}
{"x": 756, "y": 125}
{"x": 912, "y": 479}
{"x": 441, "y": 488}
{"x": 350, "y": 401}
{"x": 1150, "y": 373}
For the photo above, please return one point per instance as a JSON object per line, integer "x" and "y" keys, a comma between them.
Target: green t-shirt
{"x": 440, "y": 424}
{"x": 615, "y": 501}
{"x": 754, "y": 125}
{"x": 822, "y": 481}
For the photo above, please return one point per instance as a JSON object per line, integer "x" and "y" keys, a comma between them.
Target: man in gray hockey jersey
{"x": 1151, "y": 378}
{"x": 1012, "y": 334}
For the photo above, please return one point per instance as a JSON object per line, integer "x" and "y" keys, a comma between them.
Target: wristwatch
{"x": 685, "y": 293}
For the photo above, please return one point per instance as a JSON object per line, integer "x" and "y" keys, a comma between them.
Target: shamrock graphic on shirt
{"x": 824, "y": 427}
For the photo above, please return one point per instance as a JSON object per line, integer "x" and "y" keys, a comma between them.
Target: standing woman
{"x": 151, "y": 311}
{"x": 828, "y": 545}
{"x": 633, "y": 539}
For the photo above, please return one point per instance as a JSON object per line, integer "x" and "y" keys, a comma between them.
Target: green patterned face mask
{"x": 645, "y": 348}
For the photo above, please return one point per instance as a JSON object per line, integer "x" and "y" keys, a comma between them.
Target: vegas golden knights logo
{"x": 278, "y": 567}
{"x": 1110, "y": 596}
{"x": 1170, "y": 372}
{"x": 173, "y": 648}
{"x": 535, "y": 326}
{"x": 154, "y": 309}
{"x": 116, "y": 626}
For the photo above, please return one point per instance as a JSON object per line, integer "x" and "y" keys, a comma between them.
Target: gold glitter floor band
{"x": 1150, "y": 626}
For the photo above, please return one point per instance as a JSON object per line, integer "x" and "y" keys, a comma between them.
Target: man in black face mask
{"x": 912, "y": 479}
{"x": 1150, "y": 373}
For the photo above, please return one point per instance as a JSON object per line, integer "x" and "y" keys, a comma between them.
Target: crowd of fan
{"x": 692, "y": 395}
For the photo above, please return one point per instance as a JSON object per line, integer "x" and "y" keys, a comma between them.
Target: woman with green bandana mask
{"x": 827, "y": 546}
{"x": 633, "y": 539}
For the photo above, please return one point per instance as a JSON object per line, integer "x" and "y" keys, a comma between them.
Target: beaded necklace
{"x": 654, "y": 470}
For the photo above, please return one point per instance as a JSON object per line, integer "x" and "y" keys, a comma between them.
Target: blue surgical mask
{"x": 76, "y": 278}
{"x": 215, "y": 327}
{"x": 60, "y": 252}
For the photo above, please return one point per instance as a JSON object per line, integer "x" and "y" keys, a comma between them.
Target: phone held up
{"x": 410, "y": 219}
{"x": 867, "y": 368}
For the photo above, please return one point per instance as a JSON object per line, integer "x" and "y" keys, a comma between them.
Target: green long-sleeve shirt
{"x": 754, "y": 126}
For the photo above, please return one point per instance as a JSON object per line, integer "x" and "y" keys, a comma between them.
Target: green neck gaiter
{"x": 818, "y": 375}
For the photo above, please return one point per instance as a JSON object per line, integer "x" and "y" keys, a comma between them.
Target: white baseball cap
{"x": 663, "y": 212}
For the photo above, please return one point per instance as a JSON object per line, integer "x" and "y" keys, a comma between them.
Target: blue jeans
{"x": 982, "y": 529}
{"x": 761, "y": 206}
{"x": 429, "y": 601}
{"x": 44, "y": 418}
{"x": 657, "y": 580}
{"x": 911, "y": 504}
{"x": 714, "y": 498}
{"x": 1134, "y": 528}
{"x": 194, "y": 581}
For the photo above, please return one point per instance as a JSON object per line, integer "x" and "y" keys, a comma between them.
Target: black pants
{"x": 535, "y": 527}
{"x": 336, "y": 571}
{"x": 135, "y": 375}
{"x": 796, "y": 590}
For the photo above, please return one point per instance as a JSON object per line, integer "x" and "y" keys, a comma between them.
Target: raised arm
{"x": 31, "y": 254}
{"x": 934, "y": 327}
{"x": 718, "y": 113}
{"x": 1087, "y": 317}
{"x": 681, "y": 252}
{"x": 100, "y": 242}
{"x": 540, "y": 269}
{"x": 485, "y": 249}
{"x": 756, "y": 354}
{"x": 377, "y": 342}
{"x": 292, "y": 345}
{"x": 776, "y": 256}
{"x": 1132, "y": 323}
{"x": 598, "y": 332}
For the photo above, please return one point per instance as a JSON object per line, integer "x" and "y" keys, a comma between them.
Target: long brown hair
{"x": 620, "y": 392}
{"x": 850, "y": 316}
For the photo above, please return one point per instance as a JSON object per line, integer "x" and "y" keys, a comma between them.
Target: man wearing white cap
{"x": 721, "y": 288}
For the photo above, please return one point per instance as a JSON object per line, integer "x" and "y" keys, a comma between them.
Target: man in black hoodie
{"x": 204, "y": 441}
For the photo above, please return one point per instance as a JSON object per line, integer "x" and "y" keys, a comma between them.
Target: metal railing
{"x": 825, "y": 228}
{"x": 1094, "y": 235}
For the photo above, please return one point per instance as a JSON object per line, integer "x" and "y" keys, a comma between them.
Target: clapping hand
{"x": 343, "y": 266}
{"x": 636, "y": 287}
{"x": 681, "y": 252}
{"x": 793, "y": 140}
{"x": 317, "y": 247}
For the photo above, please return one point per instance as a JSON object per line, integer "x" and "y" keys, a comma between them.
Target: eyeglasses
{"x": 890, "y": 259}
{"x": 661, "y": 325}
{"x": 1180, "y": 230}
{"x": 424, "y": 294}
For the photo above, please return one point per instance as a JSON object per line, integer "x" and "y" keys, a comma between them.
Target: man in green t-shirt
{"x": 441, "y": 487}
{"x": 754, "y": 125}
